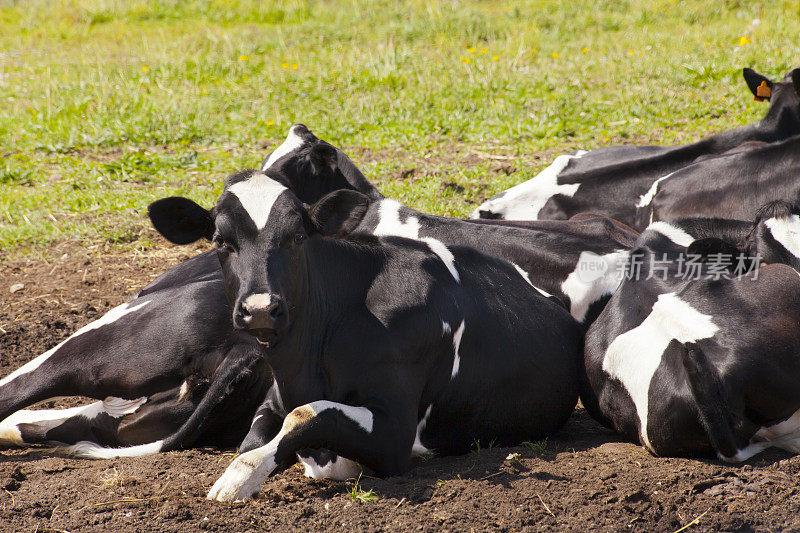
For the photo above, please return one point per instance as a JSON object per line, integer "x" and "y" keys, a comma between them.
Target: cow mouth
{"x": 266, "y": 337}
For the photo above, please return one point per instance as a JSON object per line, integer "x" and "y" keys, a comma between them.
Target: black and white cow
{"x": 552, "y": 254}
{"x": 733, "y": 186}
{"x": 613, "y": 181}
{"x": 702, "y": 360}
{"x": 153, "y": 360}
{"x": 381, "y": 346}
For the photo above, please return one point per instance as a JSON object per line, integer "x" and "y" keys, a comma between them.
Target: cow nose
{"x": 261, "y": 311}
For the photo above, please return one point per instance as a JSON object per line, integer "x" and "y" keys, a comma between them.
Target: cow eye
{"x": 299, "y": 238}
{"x": 222, "y": 245}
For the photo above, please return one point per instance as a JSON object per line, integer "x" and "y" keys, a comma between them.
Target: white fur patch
{"x": 339, "y": 469}
{"x": 585, "y": 287}
{"x": 291, "y": 143}
{"x": 257, "y": 301}
{"x": 91, "y": 450}
{"x": 112, "y": 316}
{"x": 787, "y": 232}
{"x": 48, "y": 419}
{"x": 418, "y": 448}
{"x": 389, "y": 223}
{"x": 673, "y": 233}
{"x": 360, "y": 415}
{"x": 528, "y": 279}
{"x": 524, "y": 201}
{"x": 634, "y": 356}
{"x": 784, "y": 435}
{"x": 247, "y": 472}
{"x": 647, "y": 198}
{"x": 440, "y": 249}
{"x": 456, "y": 344}
{"x": 257, "y": 195}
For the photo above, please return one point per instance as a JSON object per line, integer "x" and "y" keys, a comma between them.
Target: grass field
{"x": 107, "y": 105}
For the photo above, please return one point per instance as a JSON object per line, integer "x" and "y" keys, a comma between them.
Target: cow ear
{"x": 338, "y": 213}
{"x": 754, "y": 81}
{"x": 180, "y": 220}
{"x": 713, "y": 246}
{"x": 796, "y": 80}
{"x": 323, "y": 154}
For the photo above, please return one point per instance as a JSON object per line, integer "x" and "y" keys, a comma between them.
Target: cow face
{"x": 778, "y": 94}
{"x": 313, "y": 167}
{"x": 261, "y": 231}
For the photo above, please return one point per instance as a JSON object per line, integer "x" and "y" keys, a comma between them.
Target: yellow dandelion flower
{"x": 777, "y": 50}
{"x": 630, "y": 52}
{"x": 242, "y": 58}
{"x": 145, "y": 69}
{"x": 584, "y": 49}
{"x": 554, "y": 54}
{"x": 641, "y": 55}
{"x": 705, "y": 44}
{"x": 534, "y": 51}
{"x": 284, "y": 65}
{"x": 606, "y": 139}
{"x": 722, "y": 99}
{"x": 743, "y": 40}
{"x": 466, "y": 60}
{"x": 352, "y": 71}
{"x": 437, "y": 63}
{"x": 484, "y": 50}
{"x": 471, "y": 49}
{"x": 294, "y": 66}
{"x": 603, "y": 52}
{"x": 495, "y": 58}
{"x": 270, "y": 123}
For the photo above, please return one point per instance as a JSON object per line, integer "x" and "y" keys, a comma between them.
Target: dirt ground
{"x": 583, "y": 478}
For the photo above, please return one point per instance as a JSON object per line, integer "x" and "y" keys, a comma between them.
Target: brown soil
{"x": 583, "y": 478}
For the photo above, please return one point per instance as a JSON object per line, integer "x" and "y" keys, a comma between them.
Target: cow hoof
{"x": 240, "y": 481}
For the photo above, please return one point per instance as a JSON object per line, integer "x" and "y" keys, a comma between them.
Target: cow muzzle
{"x": 262, "y": 315}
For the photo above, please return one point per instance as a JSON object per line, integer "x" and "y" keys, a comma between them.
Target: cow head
{"x": 261, "y": 230}
{"x": 313, "y": 167}
{"x": 779, "y": 94}
{"x": 775, "y": 236}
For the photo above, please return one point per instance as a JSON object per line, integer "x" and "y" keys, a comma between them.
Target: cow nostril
{"x": 275, "y": 310}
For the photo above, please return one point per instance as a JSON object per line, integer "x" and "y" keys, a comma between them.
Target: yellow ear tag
{"x": 763, "y": 91}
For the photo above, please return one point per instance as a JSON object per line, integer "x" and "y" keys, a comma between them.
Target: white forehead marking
{"x": 257, "y": 195}
{"x": 524, "y": 201}
{"x": 787, "y": 232}
{"x": 292, "y": 142}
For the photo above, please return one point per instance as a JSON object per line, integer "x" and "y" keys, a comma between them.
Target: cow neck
{"x": 331, "y": 280}
{"x": 780, "y": 122}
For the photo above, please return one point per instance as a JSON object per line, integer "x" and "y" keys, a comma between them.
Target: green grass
{"x": 106, "y": 105}
{"x": 357, "y": 494}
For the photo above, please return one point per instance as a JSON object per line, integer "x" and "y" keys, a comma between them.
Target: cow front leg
{"x": 378, "y": 441}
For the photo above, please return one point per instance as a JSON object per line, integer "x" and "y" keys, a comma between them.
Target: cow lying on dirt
{"x": 381, "y": 346}
{"x": 703, "y": 365}
{"x": 181, "y": 324}
{"x": 611, "y": 181}
{"x": 163, "y": 350}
